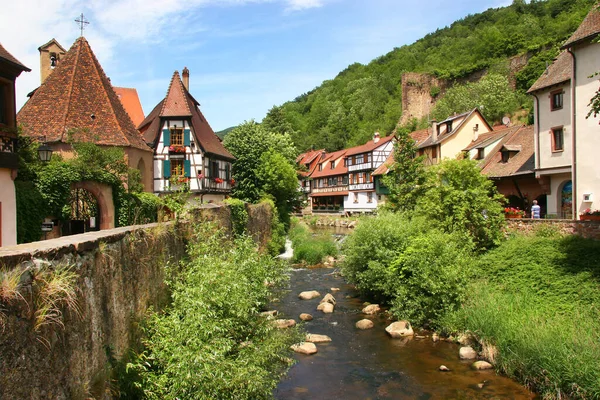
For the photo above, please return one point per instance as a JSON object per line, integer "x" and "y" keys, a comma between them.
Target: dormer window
{"x": 480, "y": 154}
{"x": 505, "y": 155}
{"x": 321, "y": 167}
{"x": 332, "y": 164}
{"x": 176, "y": 136}
{"x": 448, "y": 126}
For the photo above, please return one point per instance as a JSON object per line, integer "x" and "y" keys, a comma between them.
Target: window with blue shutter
{"x": 186, "y": 168}
{"x": 167, "y": 168}
{"x": 166, "y": 137}
{"x": 186, "y": 137}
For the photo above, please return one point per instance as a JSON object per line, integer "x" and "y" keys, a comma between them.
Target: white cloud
{"x": 297, "y": 5}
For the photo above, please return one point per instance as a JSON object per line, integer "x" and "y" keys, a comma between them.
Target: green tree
{"x": 407, "y": 176}
{"x": 460, "y": 199}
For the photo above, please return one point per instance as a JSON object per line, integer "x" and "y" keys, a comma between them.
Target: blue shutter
{"x": 166, "y": 137}
{"x": 186, "y": 137}
{"x": 186, "y": 168}
{"x": 167, "y": 168}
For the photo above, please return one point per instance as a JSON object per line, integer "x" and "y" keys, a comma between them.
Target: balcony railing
{"x": 359, "y": 167}
{"x": 362, "y": 186}
{"x": 210, "y": 185}
{"x": 330, "y": 189}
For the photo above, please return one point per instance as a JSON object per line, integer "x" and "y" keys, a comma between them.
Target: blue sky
{"x": 244, "y": 56}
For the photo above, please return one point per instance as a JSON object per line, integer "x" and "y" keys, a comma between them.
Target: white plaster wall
{"x": 381, "y": 153}
{"x": 9, "y": 208}
{"x": 549, "y": 119}
{"x": 588, "y": 129}
{"x": 362, "y": 205}
{"x": 454, "y": 146}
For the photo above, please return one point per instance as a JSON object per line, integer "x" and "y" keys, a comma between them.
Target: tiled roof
{"x": 523, "y": 162}
{"x": 131, "y": 102}
{"x": 179, "y": 103}
{"x": 340, "y": 169}
{"x": 589, "y": 28}
{"x": 485, "y": 139}
{"x": 6, "y": 56}
{"x": 558, "y": 72}
{"x": 464, "y": 117}
{"x": 385, "y": 167}
{"x": 421, "y": 135}
{"x": 77, "y": 102}
{"x": 309, "y": 156}
{"x": 369, "y": 146}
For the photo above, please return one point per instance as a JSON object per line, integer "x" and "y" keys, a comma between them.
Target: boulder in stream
{"x": 467, "y": 353}
{"x": 284, "y": 323}
{"x": 335, "y": 289}
{"x": 327, "y": 308}
{"x": 306, "y": 317}
{"x": 443, "y": 368}
{"x": 481, "y": 365}
{"x": 269, "y": 314}
{"x": 328, "y": 299}
{"x": 399, "y": 329}
{"x": 304, "y": 348}
{"x": 371, "y": 309}
{"x": 364, "y": 324}
{"x": 314, "y": 338}
{"x": 309, "y": 295}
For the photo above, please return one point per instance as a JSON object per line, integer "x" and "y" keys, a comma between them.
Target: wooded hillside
{"x": 362, "y": 99}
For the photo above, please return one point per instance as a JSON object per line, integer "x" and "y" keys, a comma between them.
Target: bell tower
{"x": 50, "y": 55}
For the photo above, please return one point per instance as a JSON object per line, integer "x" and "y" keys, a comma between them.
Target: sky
{"x": 244, "y": 56}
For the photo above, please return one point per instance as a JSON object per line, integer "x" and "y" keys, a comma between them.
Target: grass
{"x": 536, "y": 299}
{"x": 9, "y": 290}
{"x": 55, "y": 291}
{"x": 308, "y": 248}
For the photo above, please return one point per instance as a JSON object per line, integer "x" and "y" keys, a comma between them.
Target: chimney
{"x": 186, "y": 78}
{"x": 434, "y": 130}
{"x": 376, "y": 137}
{"x": 475, "y": 132}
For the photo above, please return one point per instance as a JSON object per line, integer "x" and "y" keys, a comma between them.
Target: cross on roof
{"x": 82, "y": 23}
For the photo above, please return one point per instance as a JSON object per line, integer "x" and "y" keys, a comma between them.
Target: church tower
{"x": 51, "y": 54}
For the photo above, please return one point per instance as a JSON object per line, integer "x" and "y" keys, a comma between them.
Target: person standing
{"x": 535, "y": 210}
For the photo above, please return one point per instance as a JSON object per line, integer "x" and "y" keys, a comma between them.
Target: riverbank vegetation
{"x": 310, "y": 248}
{"x": 532, "y": 302}
{"x": 212, "y": 342}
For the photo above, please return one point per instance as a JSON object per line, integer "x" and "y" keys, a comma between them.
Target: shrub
{"x": 309, "y": 248}
{"x": 239, "y": 215}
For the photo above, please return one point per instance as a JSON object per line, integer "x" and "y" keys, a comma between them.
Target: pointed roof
{"x": 339, "y": 168}
{"x": 558, "y": 72}
{"x": 369, "y": 146}
{"x": 52, "y": 41}
{"x": 9, "y": 58}
{"x": 463, "y": 118}
{"x": 519, "y": 140}
{"x": 77, "y": 102}
{"x": 180, "y": 103}
{"x": 589, "y": 28}
{"x": 131, "y": 102}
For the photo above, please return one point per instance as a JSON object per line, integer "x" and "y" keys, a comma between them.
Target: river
{"x": 369, "y": 364}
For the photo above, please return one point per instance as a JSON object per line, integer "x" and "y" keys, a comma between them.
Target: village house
{"x": 566, "y": 140}
{"x": 10, "y": 69}
{"x": 76, "y": 102}
{"x": 329, "y": 185}
{"x": 186, "y": 149}
{"x": 307, "y": 163}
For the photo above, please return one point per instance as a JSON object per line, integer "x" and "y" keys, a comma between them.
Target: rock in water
{"x": 328, "y": 299}
{"x": 400, "y": 329}
{"x": 480, "y": 365}
{"x": 284, "y": 323}
{"x": 467, "y": 353}
{"x": 443, "y": 368}
{"x": 314, "y": 338}
{"x": 364, "y": 324}
{"x": 306, "y": 317}
{"x": 371, "y": 309}
{"x": 327, "y": 308}
{"x": 309, "y": 295}
{"x": 435, "y": 337}
{"x": 304, "y": 348}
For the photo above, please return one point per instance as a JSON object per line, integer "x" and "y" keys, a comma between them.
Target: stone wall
{"x": 416, "y": 95}
{"x": 120, "y": 274}
{"x": 586, "y": 229}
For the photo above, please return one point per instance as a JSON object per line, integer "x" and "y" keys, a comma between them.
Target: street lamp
{"x": 44, "y": 151}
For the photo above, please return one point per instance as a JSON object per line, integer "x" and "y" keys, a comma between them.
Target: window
{"x": 321, "y": 167}
{"x": 345, "y": 162}
{"x": 558, "y": 139}
{"x": 448, "y": 127}
{"x": 177, "y": 167}
{"x": 213, "y": 169}
{"x": 505, "y": 156}
{"x": 434, "y": 152}
{"x": 355, "y": 197}
{"x": 369, "y": 197}
{"x": 365, "y": 158}
{"x": 480, "y": 154}
{"x": 345, "y": 180}
{"x": 176, "y": 136}
{"x": 332, "y": 164}
{"x": 556, "y": 100}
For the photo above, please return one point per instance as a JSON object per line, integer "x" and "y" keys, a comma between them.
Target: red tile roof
{"x": 309, "y": 156}
{"x": 558, "y": 72}
{"x": 421, "y": 135}
{"x": 179, "y": 103}
{"x": 523, "y": 162}
{"x": 7, "y": 57}
{"x": 339, "y": 169}
{"x": 369, "y": 146}
{"x": 77, "y": 102}
{"x": 131, "y": 102}
{"x": 485, "y": 139}
{"x": 589, "y": 28}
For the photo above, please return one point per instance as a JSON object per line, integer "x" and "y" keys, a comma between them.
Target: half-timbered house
{"x": 329, "y": 185}
{"x": 186, "y": 149}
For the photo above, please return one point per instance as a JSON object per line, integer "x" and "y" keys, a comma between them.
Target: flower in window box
{"x": 177, "y": 148}
{"x": 182, "y": 179}
{"x": 218, "y": 180}
{"x": 201, "y": 176}
{"x": 232, "y": 181}
{"x": 589, "y": 211}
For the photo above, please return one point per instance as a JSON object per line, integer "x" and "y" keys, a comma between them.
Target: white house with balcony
{"x": 186, "y": 149}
